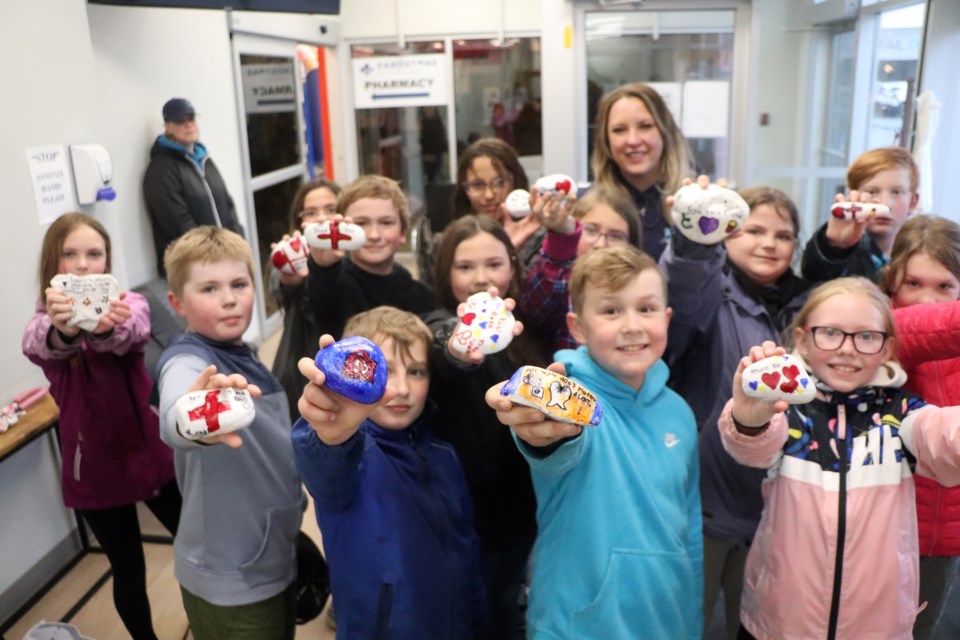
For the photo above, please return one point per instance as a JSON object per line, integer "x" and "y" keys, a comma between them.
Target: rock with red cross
{"x": 859, "y": 210}
{"x": 338, "y": 236}
{"x": 354, "y": 367}
{"x": 290, "y": 256}
{"x": 214, "y": 412}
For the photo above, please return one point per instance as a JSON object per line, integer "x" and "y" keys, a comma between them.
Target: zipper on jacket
{"x": 384, "y": 608}
{"x": 206, "y": 186}
{"x": 841, "y": 523}
{"x": 76, "y": 463}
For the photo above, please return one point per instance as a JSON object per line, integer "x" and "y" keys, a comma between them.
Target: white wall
{"x": 375, "y": 19}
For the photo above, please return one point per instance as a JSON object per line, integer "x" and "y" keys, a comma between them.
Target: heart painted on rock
{"x": 789, "y": 386}
{"x": 563, "y": 185}
{"x": 355, "y": 368}
{"x": 771, "y": 379}
{"x": 791, "y": 372}
{"x": 731, "y": 226}
{"x": 753, "y": 384}
{"x": 708, "y": 225}
{"x": 804, "y": 382}
{"x": 468, "y": 318}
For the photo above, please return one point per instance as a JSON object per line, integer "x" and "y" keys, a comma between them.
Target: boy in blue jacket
{"x": 391, "y": 500}
{"x": 620, "y": 549}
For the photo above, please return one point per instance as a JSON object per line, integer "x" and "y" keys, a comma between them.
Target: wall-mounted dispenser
{"x": 92, "y": 172}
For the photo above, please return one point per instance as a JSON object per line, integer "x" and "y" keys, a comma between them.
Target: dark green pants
{"x": 270, "y": 619}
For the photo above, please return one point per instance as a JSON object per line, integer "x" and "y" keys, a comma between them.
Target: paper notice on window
{"x": 706, "y": 109}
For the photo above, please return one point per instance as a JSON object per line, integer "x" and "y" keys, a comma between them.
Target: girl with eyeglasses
{"x": 314, "y": 200}
{"x": 836, "y": 553}
{"x": 925, "y": 269}
{"x": 601, "y": 218}
{"x": 726, "y": 297}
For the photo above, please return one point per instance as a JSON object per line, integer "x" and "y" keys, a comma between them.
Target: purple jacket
{"x": 109, "y": 434}
{"x": 714, "y": 324}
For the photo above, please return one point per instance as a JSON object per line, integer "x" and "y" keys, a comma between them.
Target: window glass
{"x": 270, "y": 101}
{"x": 272, "y": 205}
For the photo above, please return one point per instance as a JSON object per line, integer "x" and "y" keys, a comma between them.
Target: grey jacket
{"x": 714, "y": 324}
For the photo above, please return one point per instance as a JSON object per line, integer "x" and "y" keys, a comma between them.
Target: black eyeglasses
{"x": 866, "y": 342}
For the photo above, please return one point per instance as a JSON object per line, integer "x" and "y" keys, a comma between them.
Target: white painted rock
{"x": 342, "y": 236}
{"x": 518, "y": 203}
{"x": 485, "y": 325}
{"x": 89, "y": 297}
{"x": 555, "y": 395}
{"x": 556, "y": 184}
{"x": 214, "y": 412}
{"x": 709, "y": 215}
{"x": 859, "y": 210}
{"x": 778, "y": 378}
{"x": 290, "y": 256}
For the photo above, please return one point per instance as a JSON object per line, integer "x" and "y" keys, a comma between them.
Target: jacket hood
{"x": 585, "y": 369}
{"x": 164, "y": 145}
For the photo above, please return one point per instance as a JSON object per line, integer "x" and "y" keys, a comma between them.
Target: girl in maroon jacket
{"x": 924, "y": 269}
{"x": 109, "y": 435}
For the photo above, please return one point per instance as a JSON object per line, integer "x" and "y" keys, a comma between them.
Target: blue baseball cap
{"x": 177, "y": 108}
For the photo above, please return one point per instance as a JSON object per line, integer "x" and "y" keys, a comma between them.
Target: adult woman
{"x": 641, "y": 150}
{"x": 489, "y": 170}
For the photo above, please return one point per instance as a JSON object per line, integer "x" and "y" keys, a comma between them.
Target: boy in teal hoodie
{"x": 619, "y": 552}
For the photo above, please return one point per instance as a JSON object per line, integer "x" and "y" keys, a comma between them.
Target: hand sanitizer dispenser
{"x": 92, "y": 172}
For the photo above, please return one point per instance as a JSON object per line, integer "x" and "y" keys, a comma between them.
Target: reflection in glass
{"x": 270, "y": 105}
{"x": 272, "y": 205}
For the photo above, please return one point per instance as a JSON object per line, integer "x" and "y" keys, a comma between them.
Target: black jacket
{"x": 180, "y": 196}
{"x": 822, "y": 262}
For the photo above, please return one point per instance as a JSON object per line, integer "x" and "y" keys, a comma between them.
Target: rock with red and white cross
{"x": 336, "y": 236}
{"x": 859, "y": 210}
{"x": 290, "y": 256}
{"x": 214, "y": 412}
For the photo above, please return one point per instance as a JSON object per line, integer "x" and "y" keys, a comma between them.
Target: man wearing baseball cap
{"x": 182, "y": 186}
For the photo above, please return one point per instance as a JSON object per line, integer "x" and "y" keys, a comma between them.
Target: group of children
{"x": 434, "y": 514}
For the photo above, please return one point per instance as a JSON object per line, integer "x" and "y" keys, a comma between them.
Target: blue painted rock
{"x": 518, "y": 203}
{"x": 555, "y": 395}
{"x": 485, "y": 326}
{"x": 709, "y": 215}
{"x": 89, "y": 297}
{"x": 339, "y": 236}
{"x": 557, "y": 185}
{"x": 355, "y": 368}
{"x": 859, "y": 210}
{"x": 290, "y": 256}
{"x": 214, "y": 412}
{"x": 778, "y": 378}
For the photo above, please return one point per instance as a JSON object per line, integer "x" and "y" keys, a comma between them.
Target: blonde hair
{"x": 934, "y": 236}
{"x": 57, "y": 233}
{"x": 610, "y": 269}
{"x": 380, "y": 188}
{"x": 204, "y": 245}
{"x": 851, "y": 286}
{"x": 621, "y": 204}
{"x": 676, "y": 158}
{"x": 380, "y": 323}
{"x": 872, "y": 162}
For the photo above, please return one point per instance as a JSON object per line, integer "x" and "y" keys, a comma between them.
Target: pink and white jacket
{"x": 835, "y": 555}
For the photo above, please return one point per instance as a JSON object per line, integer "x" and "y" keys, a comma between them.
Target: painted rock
{"x": 89, "y": 297}
{"x": 485, "y": 325}
{"x": 340, "y": 236}
{"x": 214, "y": 412}
{"x": 290, "y": 256}
{"x": 709, "y": 215}
{"x": 859, "y": 210}
{"x": 518, "y": 203}
{"x": 557, "y": 396}
{"x": 557, "y": 184}
{"x": 355, "y": 368}
{"x": 778, "y": 378}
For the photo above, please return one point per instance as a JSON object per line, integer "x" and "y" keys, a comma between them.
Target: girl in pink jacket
{"x": 925, "y": 269}
{"x": 835, "y": 555}
{"x": 110, "y": 447}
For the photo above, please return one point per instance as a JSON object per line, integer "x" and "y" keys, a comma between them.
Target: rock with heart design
{"x": 518, "y": 203}
{"x": 555, "y": 395}
{"x": 556, "y": 185}
{"x": 89, "y": 297}
{"x": 859, "y": 210}
{"x": 214, "y": 412}
{"x": 290, "y": 256}
{"x": 339, "y": 236}
{"x": 485, "y": 326}
{"x": 355, "y": 368}
{"x": 709, "y": 215}
{"x": 778, "y": 378}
